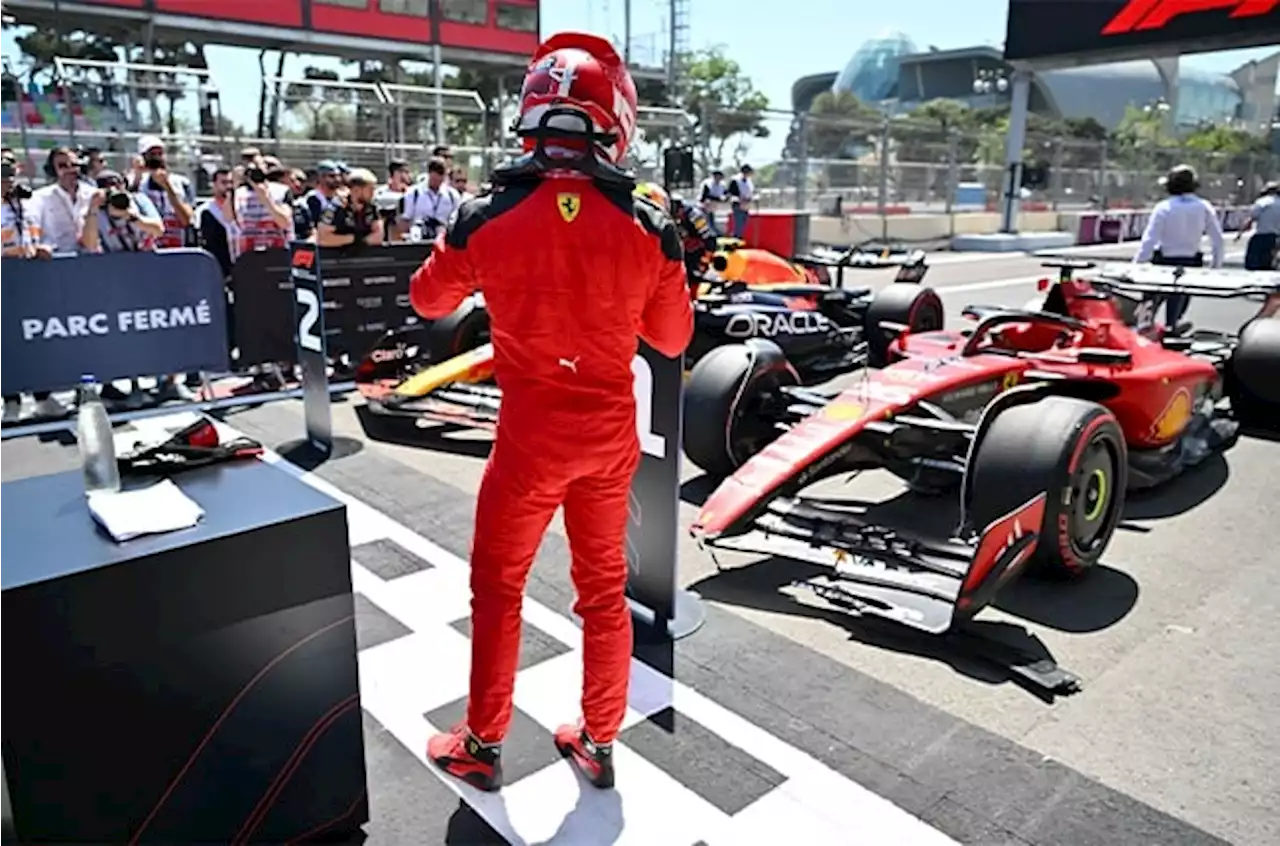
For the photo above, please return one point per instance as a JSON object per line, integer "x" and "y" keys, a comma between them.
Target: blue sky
{"x": 774, "y": 48}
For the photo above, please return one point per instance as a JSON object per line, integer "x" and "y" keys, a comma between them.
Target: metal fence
{"x": 833, "y": 165}
{"x": 898, "y": 165}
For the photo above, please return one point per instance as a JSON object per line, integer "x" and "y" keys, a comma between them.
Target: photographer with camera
{"x": 171, "y": 194}
{"x": 429, "y": 204}
{"x": 60, "y": 207}
{"x": 262, "y": 208}
{"x": 21, "y": 238}
{"x": 353, "y": 218}
{"x": 120, "y": 221}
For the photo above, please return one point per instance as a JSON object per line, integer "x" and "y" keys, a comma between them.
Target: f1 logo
{"x": 305, "y": 259}
{"x": 1144, "y": 15}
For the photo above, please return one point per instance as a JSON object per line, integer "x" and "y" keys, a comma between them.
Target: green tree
{"x": 320, "y": 107}
{"x": 840, "y": 126}
{"x": 724, "y": 103}
{"x": 41, "y": 45}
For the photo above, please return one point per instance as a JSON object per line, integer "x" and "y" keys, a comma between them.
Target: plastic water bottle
{"x": 97, "y": 445}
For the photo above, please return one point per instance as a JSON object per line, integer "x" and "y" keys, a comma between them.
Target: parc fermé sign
{"x": 111, "y": 316}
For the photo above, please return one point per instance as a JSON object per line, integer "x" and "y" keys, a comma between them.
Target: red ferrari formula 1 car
{"x": 1040, "y": 420}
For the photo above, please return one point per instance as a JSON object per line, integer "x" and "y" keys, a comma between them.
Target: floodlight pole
{"x": 1019, "y": 107}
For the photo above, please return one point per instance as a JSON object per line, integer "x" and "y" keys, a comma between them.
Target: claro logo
{"x": 1146, "y": 15}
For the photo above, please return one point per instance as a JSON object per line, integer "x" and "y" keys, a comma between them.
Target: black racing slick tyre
{"x": 1071, "y": 449}
{"x": 903, "y": 303}
{"x": 732, "y": 403}
{"x": 1252, "y": 375}
{"x": 466, "y": 328}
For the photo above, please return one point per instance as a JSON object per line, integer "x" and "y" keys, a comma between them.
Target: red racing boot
{"x": 593, "y": 760}
{"x": 462, "y": 755}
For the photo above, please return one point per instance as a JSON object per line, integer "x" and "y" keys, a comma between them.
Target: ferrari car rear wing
{"x": 1218, "y": 283}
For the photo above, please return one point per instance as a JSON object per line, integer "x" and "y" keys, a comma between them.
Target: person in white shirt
{"x": 714, "y": 195}
{"x": 1264, "y": 216}
{"x": 170, "y": 193}
{"x": 1174, "y": 232}
{"x": 390, "y": 197}
{"x": 60, "y": 207}
{"x": 429, "y": 204}
{"x": 262, "y": 208}
{"x": 742, "y": 192}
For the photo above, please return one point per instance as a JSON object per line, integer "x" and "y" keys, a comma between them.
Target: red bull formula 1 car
{"x": 442, "y": 372}
{"x": 1038, "y": 420}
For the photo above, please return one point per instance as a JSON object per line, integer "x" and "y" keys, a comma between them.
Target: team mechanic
{"x": 693, "y": 224}
{"x": 573, "y": 268}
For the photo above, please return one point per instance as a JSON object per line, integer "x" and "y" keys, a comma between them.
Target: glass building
{"x": 872, "y": 73}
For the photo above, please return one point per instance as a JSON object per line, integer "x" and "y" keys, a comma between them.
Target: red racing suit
{"x": 572, "y": 271}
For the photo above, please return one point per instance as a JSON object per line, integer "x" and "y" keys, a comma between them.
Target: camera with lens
{"x": 255, "y": 174}
{"x": 118, "y": 199}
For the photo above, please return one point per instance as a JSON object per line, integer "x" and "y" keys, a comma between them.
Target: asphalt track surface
{"x": 1175, "y": 738}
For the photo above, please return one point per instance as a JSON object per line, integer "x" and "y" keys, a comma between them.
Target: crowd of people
{"x": 259, "y": 203}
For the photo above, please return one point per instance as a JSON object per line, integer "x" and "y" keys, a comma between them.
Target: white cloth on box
{"x": 163, "y": 507}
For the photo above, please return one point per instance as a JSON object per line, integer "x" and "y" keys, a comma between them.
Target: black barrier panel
{"x": 114, "y": 316}
{"x": 366, "y": 292}
{"x": 307, "y": 276}
{"x": 1116, "y": 29}
{"x": 653, "y": 525}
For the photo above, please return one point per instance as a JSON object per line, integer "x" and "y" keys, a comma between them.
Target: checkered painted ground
{"x": 690, "y": 771}
{"x": 412, "y": 608}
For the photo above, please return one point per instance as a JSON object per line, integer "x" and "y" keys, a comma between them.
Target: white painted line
{"x": 944, "y": 290}
{"x": 405, "y": 678}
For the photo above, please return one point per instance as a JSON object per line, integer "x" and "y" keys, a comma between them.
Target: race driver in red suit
{"x": 574, "y": 270}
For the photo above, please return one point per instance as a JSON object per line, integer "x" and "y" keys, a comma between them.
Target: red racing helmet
{"x": 575, "y": 79}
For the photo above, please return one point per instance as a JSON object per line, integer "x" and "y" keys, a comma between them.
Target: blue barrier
{"x": 116, "y": 316}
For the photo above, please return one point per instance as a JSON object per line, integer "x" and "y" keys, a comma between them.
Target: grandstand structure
{"x": 109, "y": 106}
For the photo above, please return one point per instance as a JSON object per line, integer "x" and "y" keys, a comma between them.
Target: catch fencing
{"x": 887, "y": 166}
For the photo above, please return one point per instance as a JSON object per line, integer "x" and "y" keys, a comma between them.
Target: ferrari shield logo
{"x": 569, "y": 206}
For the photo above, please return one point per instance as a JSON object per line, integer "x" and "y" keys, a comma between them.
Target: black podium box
{"x": 199, "y": 686}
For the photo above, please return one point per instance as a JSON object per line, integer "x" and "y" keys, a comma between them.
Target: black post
{"x": 308, "y": 302}
{"x": 656, "y": 600}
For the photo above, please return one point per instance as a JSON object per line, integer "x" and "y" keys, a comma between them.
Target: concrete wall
{"x": 1088, "y": 227}
{"x": 857, "y": 228}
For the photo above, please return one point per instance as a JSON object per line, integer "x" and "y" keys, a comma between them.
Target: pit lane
{"x": 1172, "y": 741}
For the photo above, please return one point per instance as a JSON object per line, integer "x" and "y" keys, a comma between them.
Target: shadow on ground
{"x": 1179, "y": 495}
{"x": 404, "y": 431}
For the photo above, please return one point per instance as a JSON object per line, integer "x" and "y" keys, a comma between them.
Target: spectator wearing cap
{"x": 171, "y": 194}
{"x": 353, "y": 219}
{"x": 742, "y": 193}
{"x": 430, "y": 203}
{"x": 309, "y": 210}
{"x": 124, "y": 221}
{"x": 60, "y": 207}
{"x": 119, "y": 220}
{"x": 262, "y": 208}
{"x": 389, "y": 198}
